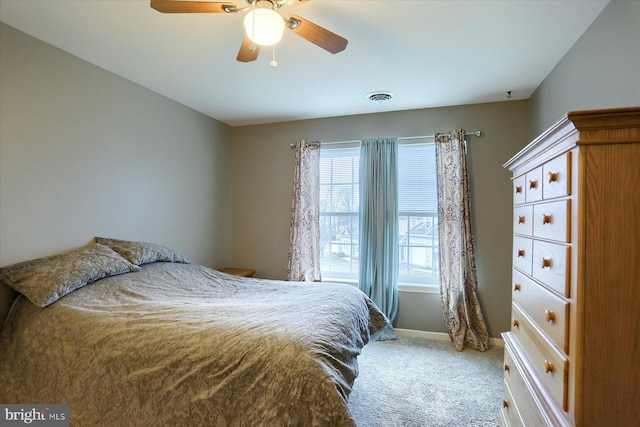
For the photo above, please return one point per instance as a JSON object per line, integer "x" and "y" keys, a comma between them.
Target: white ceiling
{"x": 428, "y": 53}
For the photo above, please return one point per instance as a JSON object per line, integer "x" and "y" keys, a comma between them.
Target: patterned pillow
{"x": 139, "y": 253}
{"x": 46, "y": 280}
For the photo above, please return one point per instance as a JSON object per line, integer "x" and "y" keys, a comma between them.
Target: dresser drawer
{"x": 551, "y": 220}
{"x": 523, "y": 220}
{"x": 533, "y": 185}
{"x": 523, "y": 253}
{"x": 551, "y": 265}
{"x": 509, "y": 411}
{"x": 557, "y": 177}
{"x": 525, "y": 403}
{"x": 547, "y": 363}
{"x": 546, "y": 309}
{"x": 518, "y": 190}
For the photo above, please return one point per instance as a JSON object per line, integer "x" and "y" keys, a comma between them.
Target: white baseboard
{"x": 441, "y": 336}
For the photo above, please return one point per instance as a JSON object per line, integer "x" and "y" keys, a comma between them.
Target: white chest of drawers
{"x": 572, "y": 356}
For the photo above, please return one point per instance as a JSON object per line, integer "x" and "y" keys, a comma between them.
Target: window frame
{"x": 405, "y": 284}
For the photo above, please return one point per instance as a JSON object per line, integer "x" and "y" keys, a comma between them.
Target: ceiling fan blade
{"x": 174, "y": 6}
{"x": 248, "y": 51}
{"x": 317, "y": 35}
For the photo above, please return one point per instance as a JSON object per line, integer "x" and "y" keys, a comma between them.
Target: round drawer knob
{"x": 516, "y": 323}
{"x": 548, "y": 367}
{"x": 549, "y": 316}
{"x": 516, "y": 287}
{"x": 505, "y": 404}
{"x": 506, "y": 367}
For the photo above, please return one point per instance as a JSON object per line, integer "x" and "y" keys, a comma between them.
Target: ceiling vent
{"x": 379, "y": 97}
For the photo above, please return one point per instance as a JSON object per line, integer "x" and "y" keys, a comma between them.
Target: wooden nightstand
{"x": 244, "y": 272}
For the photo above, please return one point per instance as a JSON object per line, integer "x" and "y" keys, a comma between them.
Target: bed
{"x": 132, "y": 333}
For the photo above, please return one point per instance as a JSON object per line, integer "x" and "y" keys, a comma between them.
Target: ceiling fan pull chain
{"x": 253, "y": 21}
{"x": 273, "y": 62}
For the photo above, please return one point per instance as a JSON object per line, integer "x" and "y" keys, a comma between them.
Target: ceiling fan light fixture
{"x": 264, "y": 26}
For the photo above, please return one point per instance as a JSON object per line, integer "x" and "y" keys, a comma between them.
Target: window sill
{"x": 420, "y": 289}
{"x": 402, "y": 287}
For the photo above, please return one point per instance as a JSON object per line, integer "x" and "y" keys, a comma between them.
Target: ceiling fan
{"x": 264, "y": 26}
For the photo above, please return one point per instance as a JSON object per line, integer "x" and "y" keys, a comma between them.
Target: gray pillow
{"x": 46, "y": 280}
{"x": 139, "y": 253}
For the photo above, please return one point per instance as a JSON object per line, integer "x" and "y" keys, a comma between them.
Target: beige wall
{"x": 263, "y": 181}
{"x": 84, "y": 152}
{"x": 602, "y": 70}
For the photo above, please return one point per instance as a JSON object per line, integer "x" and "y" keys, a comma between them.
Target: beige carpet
{"x": 414, "y": 382}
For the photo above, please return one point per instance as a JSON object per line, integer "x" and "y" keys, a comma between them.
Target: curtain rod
{"x": 402, "y": 138}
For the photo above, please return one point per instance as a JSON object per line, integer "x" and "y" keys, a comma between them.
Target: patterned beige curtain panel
{"x": 458, "y": 283}
{"x": 304, "y": 250}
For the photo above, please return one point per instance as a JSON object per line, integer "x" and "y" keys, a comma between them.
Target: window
{"x": 339, "y": 205}
{"x": 418, "y": 213}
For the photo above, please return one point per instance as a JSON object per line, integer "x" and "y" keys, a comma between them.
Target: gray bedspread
{"x": 184, "y": 345}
